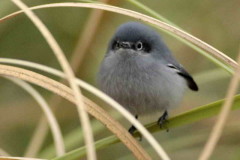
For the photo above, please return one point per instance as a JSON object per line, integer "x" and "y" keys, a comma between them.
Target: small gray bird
{"x": 140, "y": 73}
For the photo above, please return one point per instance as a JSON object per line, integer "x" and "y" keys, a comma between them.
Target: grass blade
{"x": 194, "y": 115}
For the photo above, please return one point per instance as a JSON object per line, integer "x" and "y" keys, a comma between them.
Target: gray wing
{"x": 182, "y": 72}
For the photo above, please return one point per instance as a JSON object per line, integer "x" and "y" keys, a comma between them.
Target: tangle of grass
{"x": 91, "y": 107}
{"x": 56, "y": 132}
{"x": 188, "y": 117}
{"x": 84, "y": 119}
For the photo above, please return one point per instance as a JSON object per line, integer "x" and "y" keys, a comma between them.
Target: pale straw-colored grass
{"x": 84, "y": 119}
{"x": 222, "y": 118}
{"x": 56, "y": 132}
{"x": 91, "y": 107}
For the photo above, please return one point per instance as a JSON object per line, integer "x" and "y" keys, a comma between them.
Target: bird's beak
{"x": 125, "y": 45}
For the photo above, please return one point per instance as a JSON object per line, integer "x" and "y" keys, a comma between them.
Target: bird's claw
{"x": 163, "y": 120}
{"x": 132, "y": 129}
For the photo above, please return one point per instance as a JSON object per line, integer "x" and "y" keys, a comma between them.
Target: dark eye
{"x": 139, "y": 46}
{"x": 116, "y": 45}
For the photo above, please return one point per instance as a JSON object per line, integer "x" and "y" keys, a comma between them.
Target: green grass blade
{"x": 188, "y": 117}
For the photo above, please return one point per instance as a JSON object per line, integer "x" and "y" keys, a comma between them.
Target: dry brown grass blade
{"x": 90, "y": 106}
{"x": 222, "y": 118}
{"x": 83, "y": 116}
{"x": 144, "y": 18}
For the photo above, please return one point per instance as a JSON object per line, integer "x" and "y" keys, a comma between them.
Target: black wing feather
{"x": 182, "y": 72}
{"x": 190, "y": 81}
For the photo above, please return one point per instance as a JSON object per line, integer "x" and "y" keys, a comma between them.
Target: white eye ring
{"x": 139, "y": 45}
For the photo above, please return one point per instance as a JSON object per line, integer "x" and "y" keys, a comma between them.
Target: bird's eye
{"x": 115, "y": 45}
{"x": 139, "y": 46}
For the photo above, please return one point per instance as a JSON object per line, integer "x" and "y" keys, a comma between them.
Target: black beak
{"x": 126, "y": 45}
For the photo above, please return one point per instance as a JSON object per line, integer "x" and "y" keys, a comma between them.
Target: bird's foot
{"x": 163, "y": 120}
{"x": 132, "y": 129}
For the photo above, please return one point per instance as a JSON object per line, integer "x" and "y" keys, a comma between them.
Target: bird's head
{"x": 134, "y": 38}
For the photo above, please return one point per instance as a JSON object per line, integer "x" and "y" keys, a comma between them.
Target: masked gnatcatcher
{"x": 140, "y": 73}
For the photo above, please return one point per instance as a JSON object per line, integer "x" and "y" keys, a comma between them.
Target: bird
{"x": 140, "y": 73}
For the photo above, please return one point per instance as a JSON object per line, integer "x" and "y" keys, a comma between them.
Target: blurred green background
{"x": 215, "y": 22}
